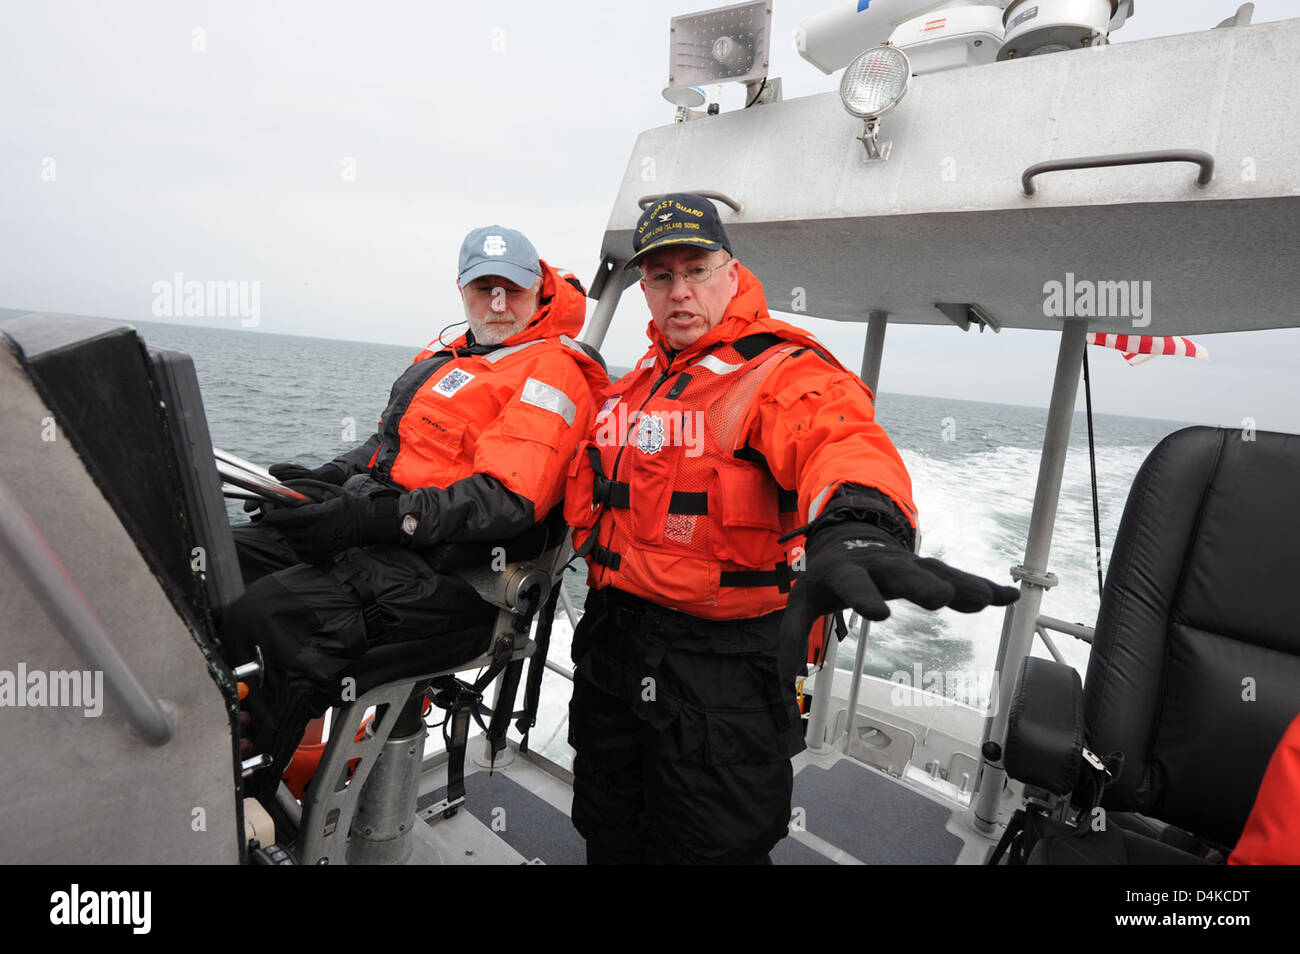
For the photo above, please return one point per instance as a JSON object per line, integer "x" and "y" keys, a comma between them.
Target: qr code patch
{"x": 453, "y": 381}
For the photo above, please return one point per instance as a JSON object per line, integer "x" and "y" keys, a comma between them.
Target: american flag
{"x": 1139, "y": 348}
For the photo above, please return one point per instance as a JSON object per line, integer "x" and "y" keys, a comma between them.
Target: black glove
{"x": 318, "y": 531}
{"x": 327, "y": 473}
{"x": 317, "y": 490}
{"x": 860, "y": 566}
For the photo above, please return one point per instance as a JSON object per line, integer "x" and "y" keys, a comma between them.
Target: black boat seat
{"x": 1194, "y": 674}
{"x": 518, "y": 589}
{"x": 370, "y": 819}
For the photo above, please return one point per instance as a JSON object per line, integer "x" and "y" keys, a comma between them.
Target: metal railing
{"x": 862, "y": 626}
{"x": 570, "y": 611}
{"x": 48, "y": 580}
{"x": 1077, "y": 630}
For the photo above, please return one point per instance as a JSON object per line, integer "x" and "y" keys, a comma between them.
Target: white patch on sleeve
{"x": 540, "y": 394}
{"x": 453, "y": 381}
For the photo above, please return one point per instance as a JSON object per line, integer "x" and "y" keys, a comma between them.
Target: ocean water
{"x": 974, "y": 467}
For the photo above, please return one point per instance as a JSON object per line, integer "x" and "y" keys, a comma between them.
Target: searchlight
{"x": 872, "y": 85}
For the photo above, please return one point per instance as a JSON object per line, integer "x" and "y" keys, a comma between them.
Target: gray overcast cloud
{"x": 216, "y": 140}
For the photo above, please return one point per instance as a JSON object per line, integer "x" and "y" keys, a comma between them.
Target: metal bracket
{"x": 1042, "y": 580}
{"x": 876, "y": 151}
{"x": 962, "y": 314}
{"x": 1092, "y": 759}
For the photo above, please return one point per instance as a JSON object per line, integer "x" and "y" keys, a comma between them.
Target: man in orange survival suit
{"x": 474, "y": 445}
{"x": 732, "y": 430}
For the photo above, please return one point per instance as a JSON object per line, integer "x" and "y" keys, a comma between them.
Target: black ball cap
{"x": 681, "y": 218}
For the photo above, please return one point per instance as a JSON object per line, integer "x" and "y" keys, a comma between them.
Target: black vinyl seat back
{"x": 1195, "y": 666}
{"x": 135, "y": 416}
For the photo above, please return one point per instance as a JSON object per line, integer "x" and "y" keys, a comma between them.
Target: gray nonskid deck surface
{"x": 873, "y": 818}
{"x": 537, "y": 829}
{"x": 852, "y": 813}
{"x": 526, "y": 822}
{"x": 788, "y": 851}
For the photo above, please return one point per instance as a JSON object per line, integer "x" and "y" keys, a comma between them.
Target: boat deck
{"x": 844, "y": 812}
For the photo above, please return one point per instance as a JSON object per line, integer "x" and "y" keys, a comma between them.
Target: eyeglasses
{"x": 663, "y": 279}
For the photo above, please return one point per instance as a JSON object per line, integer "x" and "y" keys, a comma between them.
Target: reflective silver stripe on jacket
{"x": 500, "y": 353}
{"x": 815, "y": 507}
{"x": 540, "y": 394}
{"x": 569, "y": 342}
{"x": 717, "y": 365}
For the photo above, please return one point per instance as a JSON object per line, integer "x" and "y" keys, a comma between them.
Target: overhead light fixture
{"x": 872, "y": 85}
{"x": 1035, "y": 27}
{"x": 725, "y": 44}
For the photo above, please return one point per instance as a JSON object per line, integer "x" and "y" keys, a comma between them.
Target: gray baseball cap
{"x": 493, "y": 250}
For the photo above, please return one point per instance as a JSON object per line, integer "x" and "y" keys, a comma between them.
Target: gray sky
{"x": 128, "y": 154}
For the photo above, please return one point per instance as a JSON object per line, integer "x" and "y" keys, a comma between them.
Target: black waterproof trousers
{"x": 318, "y": 627}
{"x": 683, "y": 730}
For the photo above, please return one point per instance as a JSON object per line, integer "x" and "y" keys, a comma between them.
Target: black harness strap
{"x": 616, "y": 493}
{"x": 751, "y": 346}
{"x": 496, "y": 731}
{"x": 463, "y": 702}
{"x": 537, "y": 666}
{"x": 780, "y": 577}
{"x": 606, "y": 557}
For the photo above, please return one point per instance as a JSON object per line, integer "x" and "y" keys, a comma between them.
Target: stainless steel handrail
{"x": 49, "y": 581}
{"x": 572, "y": 613}
{"x": 1077, "y": 630}
{"x": 1202, "y": 159}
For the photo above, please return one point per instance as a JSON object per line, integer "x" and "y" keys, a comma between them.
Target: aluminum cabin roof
{"x": 945, "y": 218}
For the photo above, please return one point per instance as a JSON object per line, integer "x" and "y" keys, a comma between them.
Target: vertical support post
{"x": 610, "y": 293}
{"x": 1018, "y": 627}
{"x": 824, "y": 683}
{"x": 872, "y": 354}
{"x": 874, "y": 350}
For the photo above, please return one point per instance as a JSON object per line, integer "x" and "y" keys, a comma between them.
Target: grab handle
{"x": 1202, "y": 159}
{"x": 49, "y": 582}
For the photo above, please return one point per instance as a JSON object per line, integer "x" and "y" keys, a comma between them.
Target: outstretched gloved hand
{"x": 318, "y": 531}
{"x": 859, "y": 566}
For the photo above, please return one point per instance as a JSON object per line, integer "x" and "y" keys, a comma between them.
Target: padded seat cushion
{"x": 1195, "y": 667}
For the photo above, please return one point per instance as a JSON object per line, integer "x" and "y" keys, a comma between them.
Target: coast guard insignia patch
{"x": 650, "y": 435}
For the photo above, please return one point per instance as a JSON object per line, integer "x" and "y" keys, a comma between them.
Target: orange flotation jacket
{"x": 699, "y": 463}
{"x": 480, "y": 436}
{"x": 1272, "y": 832}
